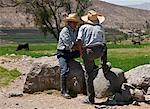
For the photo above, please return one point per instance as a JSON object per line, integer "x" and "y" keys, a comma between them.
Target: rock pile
{"x": 137, "y": 87}
{"x": 127, "y": 87}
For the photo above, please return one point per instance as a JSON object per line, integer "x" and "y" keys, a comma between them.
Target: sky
{"x": 127, "y": 2}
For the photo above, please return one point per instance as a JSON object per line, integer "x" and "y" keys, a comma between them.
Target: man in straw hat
{"x": 66, "y": 50}
{"x": 91, "y": 39}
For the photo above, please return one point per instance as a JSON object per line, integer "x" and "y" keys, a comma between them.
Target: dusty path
{"x": 41, "y": 100}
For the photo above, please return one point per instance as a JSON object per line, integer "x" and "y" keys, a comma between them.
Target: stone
{"x": 139, "y": 77}
{"x": 138, "y": 95}
{"x": 101, "y": 107}
{"x": 129, "y": 93}
{"x": 15, "y": 95}
{"x": 135, "y": 103}
{"x": 106, "y": 84}
{"x": 45, "y": 75}
{"x": 148, "y": 91}
{"x": 147, "y": 98}
{"x": 12, "y": 55}
{"x": 125, "y": 94}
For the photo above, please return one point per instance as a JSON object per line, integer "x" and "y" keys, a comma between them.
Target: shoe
{"x": 87, "y": 101}
{"x": 65, "y": 95}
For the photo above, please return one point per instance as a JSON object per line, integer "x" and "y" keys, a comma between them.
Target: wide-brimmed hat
{"x": 72, "y": 17}
{"x": 93, "y": 16}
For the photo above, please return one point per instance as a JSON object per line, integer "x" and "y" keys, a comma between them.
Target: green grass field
{"x": 121, "y": 56}
{"x": 6, "y": 76}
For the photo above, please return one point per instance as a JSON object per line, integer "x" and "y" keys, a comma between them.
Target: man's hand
{"x": 80, "y": 47}
{"x": 75, "y": 47}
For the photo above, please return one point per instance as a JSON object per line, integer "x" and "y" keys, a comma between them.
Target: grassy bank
{"x": 122, "y": 56}
{"x": 6, "y": 76}
{"x": 127, "y": 58}
{"x": 36, "y": 50}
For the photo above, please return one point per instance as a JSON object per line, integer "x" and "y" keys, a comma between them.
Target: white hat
{"x": 93, "y": 16}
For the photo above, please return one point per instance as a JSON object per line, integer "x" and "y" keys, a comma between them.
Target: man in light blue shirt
{"x": 66, "y": 50}
{"x": 91, "y": 39}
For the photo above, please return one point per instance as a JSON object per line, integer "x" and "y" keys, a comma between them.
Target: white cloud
{"x": 127, "y": 2}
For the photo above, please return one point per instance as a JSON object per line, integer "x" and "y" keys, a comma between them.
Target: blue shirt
{"x": 91, "y": 34}
{"x": 67, "y": 38}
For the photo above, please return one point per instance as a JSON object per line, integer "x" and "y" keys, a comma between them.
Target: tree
{"x": 48, "y": 14}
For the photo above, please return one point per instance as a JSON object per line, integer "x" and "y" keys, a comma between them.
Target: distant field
{"x": 36, "y": 36}
{"x": 121, "y": 56}
{"x": 25, "y": 35}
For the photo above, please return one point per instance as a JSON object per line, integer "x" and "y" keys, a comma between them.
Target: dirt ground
{"x": 42, "y": 100}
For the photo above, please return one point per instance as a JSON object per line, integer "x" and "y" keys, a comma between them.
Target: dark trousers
{"x": 89, "y": 54}
{"x": 64, "y": 56}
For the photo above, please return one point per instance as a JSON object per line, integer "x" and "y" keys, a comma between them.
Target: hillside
{"x": 11, "y": 18}
{"x": 116, "y": 16}
{"x": 120, "y": 16}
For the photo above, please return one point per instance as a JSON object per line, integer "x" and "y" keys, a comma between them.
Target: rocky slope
{"x": 116, "y": 16}
{"x": 120, "y": 16}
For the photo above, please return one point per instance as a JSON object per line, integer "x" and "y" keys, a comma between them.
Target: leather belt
{"x": 98, "y": 45}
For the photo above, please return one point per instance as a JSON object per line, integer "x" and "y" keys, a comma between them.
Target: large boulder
{"x": 106, "y": 84}
{"x": 139, "y": 77}
{"x": 45, "y": 74}
{"x": 129, "y": 93}
{"x": 137, "y": 87}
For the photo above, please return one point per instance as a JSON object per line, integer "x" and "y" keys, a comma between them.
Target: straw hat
{"x": 93, "y": 16}
{"x": 72, "y": 17}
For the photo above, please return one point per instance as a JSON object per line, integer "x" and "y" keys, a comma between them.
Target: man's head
{"x": 72, "y": 20}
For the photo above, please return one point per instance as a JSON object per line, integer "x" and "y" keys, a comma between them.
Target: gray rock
{"x": 129, "y": 93}
{"x": 107, "y": 84}
{"x": 15, "y": 95}
{"x": 147, "y": 98}
{"x": 139, "y": 77}
{"x": 138, "y": 95}
{"x": 148, "y": 91}
{"x": 45, "y": 75}
{"x": 135, "y": 103}
{"x": 125, "y": 94}
{"x": 101, "y": 107}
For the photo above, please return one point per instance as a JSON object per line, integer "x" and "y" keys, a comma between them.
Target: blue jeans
{"x": 64, "y": 56}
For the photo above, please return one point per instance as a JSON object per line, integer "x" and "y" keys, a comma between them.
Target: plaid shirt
{"x": 67, "y": 38}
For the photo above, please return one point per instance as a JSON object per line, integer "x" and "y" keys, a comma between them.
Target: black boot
{"x": 63, "y": 86}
